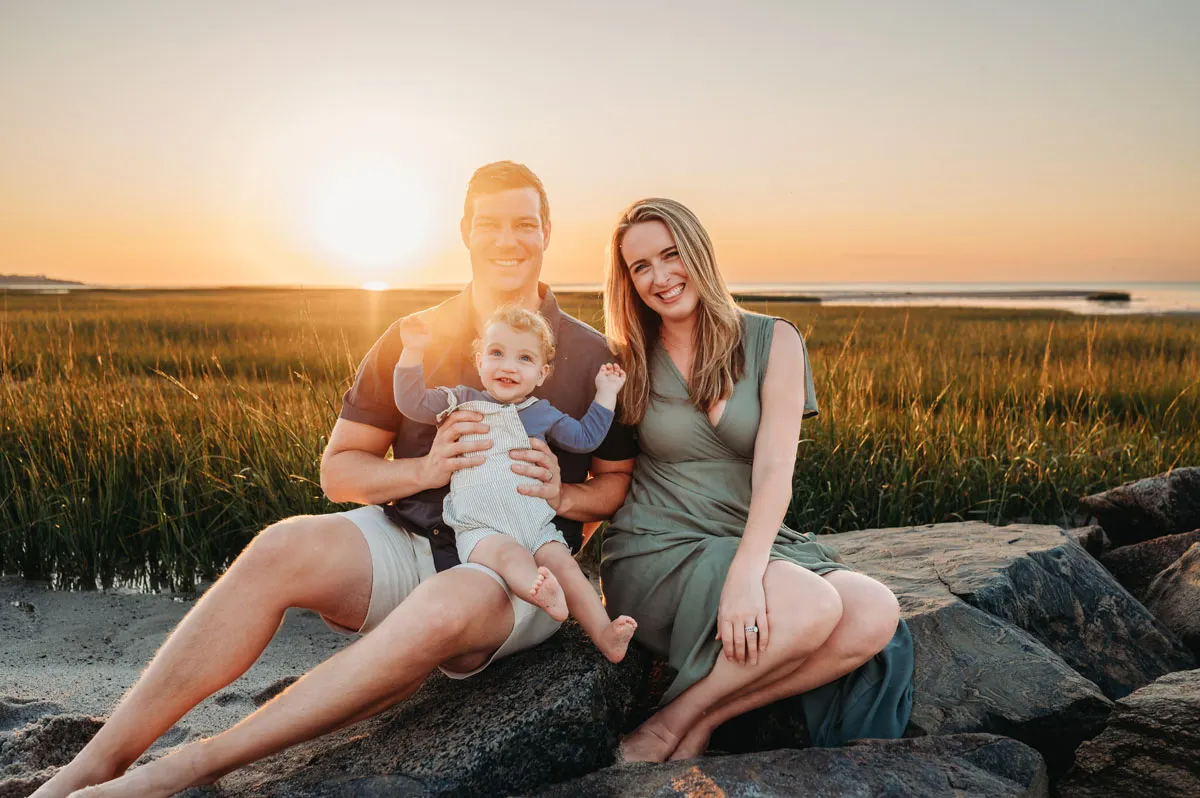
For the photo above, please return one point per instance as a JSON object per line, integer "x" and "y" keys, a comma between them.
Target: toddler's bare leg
{"x": 524, "y": 578}
{"x": 611, "y": 637}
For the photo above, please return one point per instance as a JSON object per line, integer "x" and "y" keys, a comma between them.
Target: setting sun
{"x": 371, "y": 219}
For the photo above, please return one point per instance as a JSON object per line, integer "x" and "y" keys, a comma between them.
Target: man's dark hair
{"x": 503, "y": 176}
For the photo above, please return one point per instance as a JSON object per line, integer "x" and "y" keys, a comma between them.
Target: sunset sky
{"x": 149, "y": 142}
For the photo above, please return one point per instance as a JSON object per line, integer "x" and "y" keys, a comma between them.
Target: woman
{"x": 746, "y": 610}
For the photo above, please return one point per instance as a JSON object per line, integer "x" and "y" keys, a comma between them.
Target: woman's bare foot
{"x": 649, "y": 742}
{"x": 75, "y": 776}
{"x": 547, "y": 594}
{"x": 613, "y": 642}
{"x": 694, "y": 743}
{"x": 161, "y": 778}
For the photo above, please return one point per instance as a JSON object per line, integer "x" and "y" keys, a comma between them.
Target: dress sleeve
{"x": 583, "y": 435}
{"x": 766, "y": 334}
{"x": 413, "y": 399}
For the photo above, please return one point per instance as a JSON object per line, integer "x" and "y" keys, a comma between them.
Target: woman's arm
{"x": 743, "y": 601}
{"x": 775, "y": 445}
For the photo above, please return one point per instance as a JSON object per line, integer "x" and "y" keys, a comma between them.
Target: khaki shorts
{"x": 401, "y": 560}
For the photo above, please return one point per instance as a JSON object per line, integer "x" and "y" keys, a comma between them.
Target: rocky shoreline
{"x": 1048, "y": 661}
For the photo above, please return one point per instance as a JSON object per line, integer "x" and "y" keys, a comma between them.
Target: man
{"x": 388, "y": 570}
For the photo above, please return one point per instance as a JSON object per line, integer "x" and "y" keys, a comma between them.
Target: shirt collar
{"x": 462, "y": 312}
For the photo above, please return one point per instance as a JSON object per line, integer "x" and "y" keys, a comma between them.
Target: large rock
{"x": 1037, "y": 580}
{"x": 1093, "y": 539}
{"x": 959, "y": 766}
{"x": 1135, "y": 566}
{"x": 1174, "y": 597}
{"x": 1016, "y": 629}
{"x": 1166, "y": 504}
{"x": 1151, "y": 746}
{"x": 542, "y": 716}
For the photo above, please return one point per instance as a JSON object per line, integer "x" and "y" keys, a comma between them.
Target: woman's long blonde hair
{"x": 718, "y": 360}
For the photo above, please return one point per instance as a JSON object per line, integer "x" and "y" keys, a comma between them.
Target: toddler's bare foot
{"x": 613, "y": 642}
{"x": 547, "y": 594}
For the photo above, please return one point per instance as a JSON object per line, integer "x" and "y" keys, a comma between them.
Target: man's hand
{"x": 541, "y": 464}
{"x": 448, "y": 453}
{"x": 415, "y": 333}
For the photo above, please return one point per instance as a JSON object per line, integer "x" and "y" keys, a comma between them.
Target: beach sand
{"x": 64, "y": 652}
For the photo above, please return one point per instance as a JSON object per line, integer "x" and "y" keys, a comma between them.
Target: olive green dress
{"x": 667, "y": 550}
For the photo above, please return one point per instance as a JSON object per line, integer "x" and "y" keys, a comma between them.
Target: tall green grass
{"x": 150, "y": 435}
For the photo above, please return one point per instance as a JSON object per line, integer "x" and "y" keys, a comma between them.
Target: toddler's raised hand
{"x": 610, "y": 378}
{"x": 415, "y": 333}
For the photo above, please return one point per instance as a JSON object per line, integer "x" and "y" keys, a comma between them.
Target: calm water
{"x": 1144, "y": 297}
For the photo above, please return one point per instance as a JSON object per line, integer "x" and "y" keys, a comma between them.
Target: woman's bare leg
{"x": 516, "y": 566}
{"x": 794, "y": 636}
{"x": 456, "y": 612}
{"x": 583, "y": 602}
{"x": 317, "y": 562}
{"x": 869, "y": 617}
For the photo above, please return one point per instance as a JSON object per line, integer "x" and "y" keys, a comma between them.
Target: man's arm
{"x": 594, "y": 500}
{"x": 601, "y": 495}
{"x": 355, "y": 468}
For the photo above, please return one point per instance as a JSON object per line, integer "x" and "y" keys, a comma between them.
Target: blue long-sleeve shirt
{"x": 540, "y": 419}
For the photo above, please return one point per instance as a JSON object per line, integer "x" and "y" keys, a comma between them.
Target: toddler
{"x": 495, "y": 526}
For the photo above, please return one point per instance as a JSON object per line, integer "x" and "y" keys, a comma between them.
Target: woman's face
{"x": 658, "y": 273}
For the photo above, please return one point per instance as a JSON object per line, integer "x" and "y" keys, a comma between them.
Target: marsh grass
{"x": 148, "y": 436}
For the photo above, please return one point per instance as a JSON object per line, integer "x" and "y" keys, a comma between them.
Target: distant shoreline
{"x": 1181, "y": 299}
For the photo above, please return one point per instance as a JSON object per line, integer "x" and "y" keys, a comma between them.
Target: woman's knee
{"x": 803, "y": 609}
{"x": 869, "y": 618}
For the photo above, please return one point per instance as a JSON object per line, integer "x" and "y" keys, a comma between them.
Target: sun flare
{"x": 371, "y": 219}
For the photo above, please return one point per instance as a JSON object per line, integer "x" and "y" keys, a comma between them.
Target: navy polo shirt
{"x": 449, "y": 361}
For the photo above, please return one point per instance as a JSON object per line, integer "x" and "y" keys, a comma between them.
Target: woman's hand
{"x": 743, "y": 607}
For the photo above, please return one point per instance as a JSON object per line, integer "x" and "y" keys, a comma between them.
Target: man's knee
{"x": 307, "y": 549}
{"x": 456, "y": 613}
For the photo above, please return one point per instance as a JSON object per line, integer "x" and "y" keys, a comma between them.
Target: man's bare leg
{"x": 583, "y": 602}
{"x": 524, "y": 578}
{"x": 457, "y": 612}
{"x": 317, "y": 562}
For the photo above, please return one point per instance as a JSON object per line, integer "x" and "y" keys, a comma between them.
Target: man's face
{"x": 506, "y": 239}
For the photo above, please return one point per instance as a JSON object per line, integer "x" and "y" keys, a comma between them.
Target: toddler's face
{"x": 510, "y": 363}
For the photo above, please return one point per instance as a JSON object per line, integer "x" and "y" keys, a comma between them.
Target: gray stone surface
{"x": 539, "y": 717}
{"x": 1136, "y": 565}
{"x": 1166, "y": 504}
{"x": 931, "y": 767}
{"x": 1150, "y": 748}
{"x": 1032, "y": 577}
{"x": 1007, "y": 623}
{"x": 1174, "y": 597}
{"x": 1093, "y": 539}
